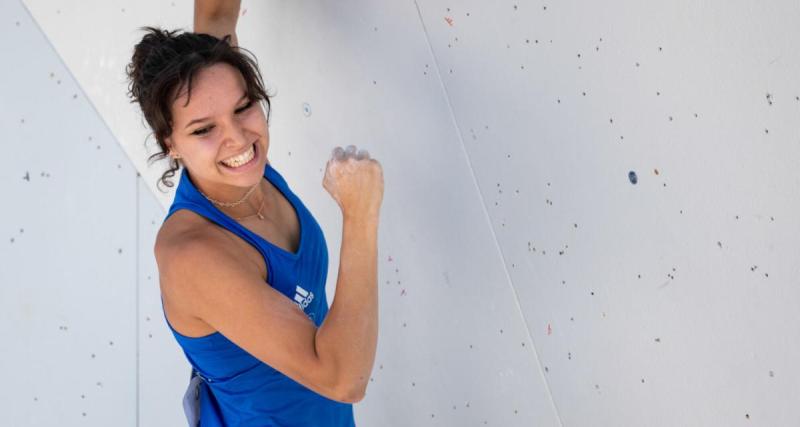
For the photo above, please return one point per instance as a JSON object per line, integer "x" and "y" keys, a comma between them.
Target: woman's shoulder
{"x": 187, "y": 245}
{"x": 183, "y": 235}
{"x": 188, "y": 236}
{"x": 185, "y": 231}
{"x": 180, "y": 226}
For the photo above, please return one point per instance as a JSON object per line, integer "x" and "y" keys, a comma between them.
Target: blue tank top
{"x": 238, "y": 389}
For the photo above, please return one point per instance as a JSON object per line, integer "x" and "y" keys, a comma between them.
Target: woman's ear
{"x": 171, "y": 148}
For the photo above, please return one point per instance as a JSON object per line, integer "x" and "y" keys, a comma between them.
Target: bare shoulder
{"x": 184, "y": 237}
{"x": 181, "y": 227}
{"x": 184, "y": 230}
{"x": 185, "y": 246}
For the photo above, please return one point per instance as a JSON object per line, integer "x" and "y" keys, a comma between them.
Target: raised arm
{"x": 217, "y": 18}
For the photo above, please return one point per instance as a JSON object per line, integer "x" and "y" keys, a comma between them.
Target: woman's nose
{"x": 236, "y": 136}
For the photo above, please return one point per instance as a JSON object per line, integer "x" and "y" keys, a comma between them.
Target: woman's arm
{"x": 217, "y": 18}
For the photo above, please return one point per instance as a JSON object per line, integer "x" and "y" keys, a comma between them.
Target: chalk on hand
{"x": 338, "y": 153}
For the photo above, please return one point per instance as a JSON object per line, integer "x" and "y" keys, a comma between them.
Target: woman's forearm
{"x": 217, "y": 18}
{"x": 217, "y": 9}
{"x": 348, "y": 337}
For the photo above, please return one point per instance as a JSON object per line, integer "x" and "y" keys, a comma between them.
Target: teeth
{"x": 241, "y": 159}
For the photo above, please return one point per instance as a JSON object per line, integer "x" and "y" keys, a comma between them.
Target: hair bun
{"x": 149, "y": 56}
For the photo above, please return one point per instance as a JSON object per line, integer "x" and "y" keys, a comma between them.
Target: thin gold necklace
{"x": 257, "y": 213}
{"x": 231, "y": 204}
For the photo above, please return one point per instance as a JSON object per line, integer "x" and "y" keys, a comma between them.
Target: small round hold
{"x": 306, "y": 109}
{"x": 350, "y": 150}
{"x": 338, "y": 153}
{"x": 632, "y": 177}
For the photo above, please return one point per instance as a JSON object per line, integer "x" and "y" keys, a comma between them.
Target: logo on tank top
{"x": 303, "y": 297}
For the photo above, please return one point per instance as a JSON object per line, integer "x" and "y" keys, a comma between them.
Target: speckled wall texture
{"x": 590, "y": 218}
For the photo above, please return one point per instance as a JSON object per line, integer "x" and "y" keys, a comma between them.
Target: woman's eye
{"x": 205, "y": 130}
{"x": 249, "y": 104}
{"x": 202, "y": 131}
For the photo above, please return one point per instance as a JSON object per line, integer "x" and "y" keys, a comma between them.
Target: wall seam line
{"x": 138, "y": 317}
{"x": 486, "y": 213}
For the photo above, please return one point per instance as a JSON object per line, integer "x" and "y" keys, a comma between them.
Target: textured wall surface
{"x": 590, "y": 214}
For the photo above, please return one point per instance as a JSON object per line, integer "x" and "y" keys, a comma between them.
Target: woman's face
{"x": 219, "y": 124}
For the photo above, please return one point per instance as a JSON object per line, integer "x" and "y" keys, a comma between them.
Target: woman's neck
{"x": 249, "y": 206}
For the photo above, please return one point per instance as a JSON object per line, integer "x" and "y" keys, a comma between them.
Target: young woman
{"x": 242, "y": 262}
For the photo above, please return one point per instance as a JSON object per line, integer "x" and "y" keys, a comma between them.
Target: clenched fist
{"x": 355, "y": 181}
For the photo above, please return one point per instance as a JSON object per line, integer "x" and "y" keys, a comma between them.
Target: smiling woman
{"x": 164, "y": 57}
{"x": 215, "y": 133}
{"x": 242, "y": 262}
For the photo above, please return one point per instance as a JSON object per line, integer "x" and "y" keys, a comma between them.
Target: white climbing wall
{"x": 590, "y": 213}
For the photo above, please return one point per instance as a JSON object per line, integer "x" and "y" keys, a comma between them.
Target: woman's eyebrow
{"x": 206, "y": 118}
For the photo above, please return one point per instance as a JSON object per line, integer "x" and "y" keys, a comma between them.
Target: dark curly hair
{"x": 163, "y": 61}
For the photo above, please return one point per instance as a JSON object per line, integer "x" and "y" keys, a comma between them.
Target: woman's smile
{"x": 250, "y": 157}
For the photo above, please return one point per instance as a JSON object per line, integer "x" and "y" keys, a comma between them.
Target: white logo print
{"x": 303, "y": 297}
